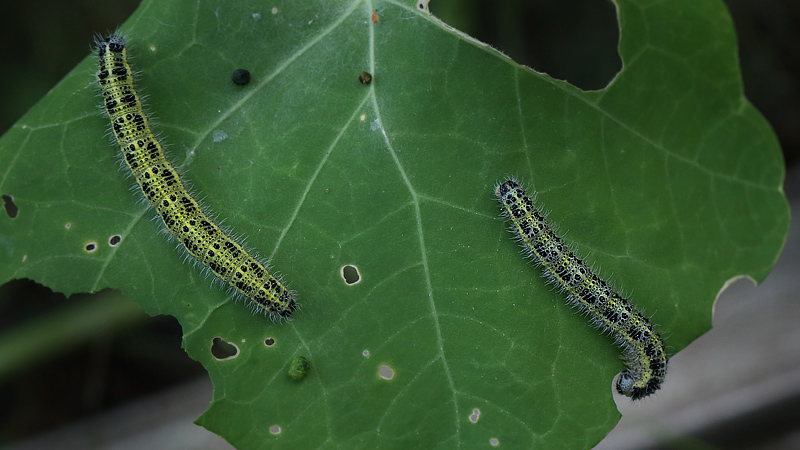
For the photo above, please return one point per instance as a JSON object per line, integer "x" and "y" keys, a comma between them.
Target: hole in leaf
{"x": 572, "y": 40}
{"x": 494, "y": 442}
{"x": 365, "y": 353}
{"x": 385, "y": 372}
{"x": 275, "y": 429}
{"x": 350, "y": 274}
{"x": 114, "y": 240}
{"x": 269, "y": 342}
{"x": 68, "y": 225}
{"x": 10, "y": 206}
{"x": 90, "y": 247}
{"x": 476, "y": 413}
{"x": 222, "y": 349}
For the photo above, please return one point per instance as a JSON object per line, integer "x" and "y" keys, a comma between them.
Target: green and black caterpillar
{"x": 161, "y": 185}
{"x": 643, "y": 348}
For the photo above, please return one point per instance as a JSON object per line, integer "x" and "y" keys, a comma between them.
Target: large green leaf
{"x": 668, "y": 180}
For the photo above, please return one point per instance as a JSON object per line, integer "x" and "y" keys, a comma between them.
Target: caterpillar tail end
{"x": 629, "y": 386}
{"x": 277, "y": 306}
{"x": 285, "y": 310}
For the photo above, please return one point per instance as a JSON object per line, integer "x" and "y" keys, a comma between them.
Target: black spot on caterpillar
{"x": 643, "y": 348}
{"x": 161, "y": 185}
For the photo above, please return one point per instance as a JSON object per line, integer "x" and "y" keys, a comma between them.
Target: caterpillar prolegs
{"x": 161, "y": 185}
{"x": 643, "y": 348}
